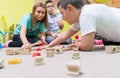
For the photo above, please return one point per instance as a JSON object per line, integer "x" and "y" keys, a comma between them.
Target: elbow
{"x": 86, "y": 48}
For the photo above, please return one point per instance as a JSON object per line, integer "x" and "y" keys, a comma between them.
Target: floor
{"x": 94, "y": 64}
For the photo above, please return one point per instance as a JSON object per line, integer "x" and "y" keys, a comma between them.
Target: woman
{"x": 29, "y": 27}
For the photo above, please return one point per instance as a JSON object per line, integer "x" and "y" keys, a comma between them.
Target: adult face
{"x": 50, "y": 8}
{"x": 70, "y": 14}
{"x": 39, "y": 13}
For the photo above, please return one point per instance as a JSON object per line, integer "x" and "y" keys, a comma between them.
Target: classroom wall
{"x": 12, "y": 10}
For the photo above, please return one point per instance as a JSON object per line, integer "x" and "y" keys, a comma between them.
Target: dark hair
{"x": 45, "y": 19}
{"x": 48, "y": 1}
{"x": 76, "y": 3}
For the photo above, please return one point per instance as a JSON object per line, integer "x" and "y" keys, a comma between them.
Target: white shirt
{"x": 101, "y": 19}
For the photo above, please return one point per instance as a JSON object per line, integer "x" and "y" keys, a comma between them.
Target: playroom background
{"x": 12, "y": 10}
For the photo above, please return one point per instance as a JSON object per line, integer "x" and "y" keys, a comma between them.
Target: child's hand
{"x": 26, "y": 45}
{"x": 44, "y": 42}
{"x": 61, "y": 25}
{"x": 54, "y": 35}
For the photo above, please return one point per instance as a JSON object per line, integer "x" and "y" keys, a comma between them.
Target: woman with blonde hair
{"x": 30, "y": 25}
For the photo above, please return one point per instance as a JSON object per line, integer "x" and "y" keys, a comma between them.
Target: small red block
{"x": 38, "y": 49}
{"x": 36, "y": 54}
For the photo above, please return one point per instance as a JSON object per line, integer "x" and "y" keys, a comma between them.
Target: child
{"x": 55, "y": 23}
{"x": 90, "y": 19}
{"x": 29, "y": 27}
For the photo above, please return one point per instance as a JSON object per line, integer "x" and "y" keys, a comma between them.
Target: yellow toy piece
{"x": 14, "y": 61}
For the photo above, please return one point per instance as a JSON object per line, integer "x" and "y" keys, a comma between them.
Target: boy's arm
{"x": 87, "y": 42}
{"x": 62, "y": 37}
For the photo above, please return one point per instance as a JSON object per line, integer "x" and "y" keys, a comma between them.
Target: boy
{"x": 90, "y": 19}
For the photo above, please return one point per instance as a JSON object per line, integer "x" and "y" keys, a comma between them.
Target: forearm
{"x": 57, "y": 41}
{"x": 23, "y": 38}
{"x": 23, "y": 35}
{"x": 87, "y": 42}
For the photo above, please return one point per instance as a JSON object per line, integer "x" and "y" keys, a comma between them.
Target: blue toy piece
{"x": 0, "y": 45}
{"x": 1, "y": 38}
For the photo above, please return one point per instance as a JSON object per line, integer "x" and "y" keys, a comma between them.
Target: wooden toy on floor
{"x": 112, "y": 49}
{"x": 49, "y": 53}
{"x": 66, "y": 47}
{"x": 56, "y": 50}
{"x": 51, "y": 49}
{"x": 1, "y": 63}
{"x": 75, "y": 53}
{"x": 75, "y": 49}
{"x": 14, "y": 61}
{"x": 38, "y": 60}
{"x": 22, "y": 51}
{"x": 73, "y": 68}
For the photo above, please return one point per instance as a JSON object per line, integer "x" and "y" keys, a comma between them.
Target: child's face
{"x": 39, "y": 13}
{"x": 69, "y": 14}
{"x": 50, "y": 8}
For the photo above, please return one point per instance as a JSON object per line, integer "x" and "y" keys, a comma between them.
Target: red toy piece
{"x": 76, "y": 37}
{"x": 40, "y": 45}
{"x": 38, "y": 49}
{"x": 36, "y": 54}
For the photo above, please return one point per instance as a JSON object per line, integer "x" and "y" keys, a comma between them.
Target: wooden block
{"x": 51, "y": 49}
{"x": 75, "y": 49}
{"x": 1, "y": 63}
{"x": 73, "y": 68}
{"x": 19, "y": 51}
{"x": 10, "y": 52}
{"x": 58, "y": 50}
{"x": 66, "y": 47}
{"x": 49, "y": 54}
{"x": 14, "y": 61}
{"x": 38, "y": 60}
{"x": 75, "y": 54}
{"x": 112, "y": 49}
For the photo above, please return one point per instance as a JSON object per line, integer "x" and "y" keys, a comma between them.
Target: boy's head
{"x": 76, "y": 3}
{"x": 50, "y": 6}
{"x": 71, "y": 9}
